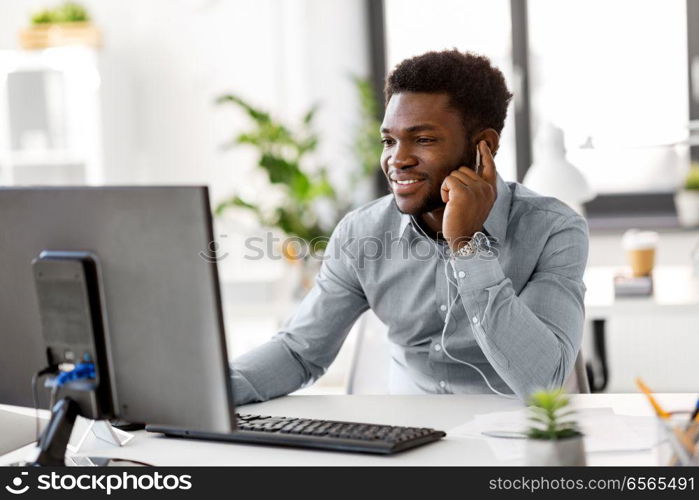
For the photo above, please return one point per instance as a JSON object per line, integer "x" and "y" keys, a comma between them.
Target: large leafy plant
{"x": 285, "y": 154}
{"x": 550, "y": 416}
{"x": 281, "y": 155}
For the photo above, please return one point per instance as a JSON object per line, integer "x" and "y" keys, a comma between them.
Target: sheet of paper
{"x": 604, "y": 431}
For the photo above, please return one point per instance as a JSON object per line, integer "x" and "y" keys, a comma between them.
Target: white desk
{"x": 675, "y": 295}
{"x": 676, "y": 291}
{"x": 440, "y": 412}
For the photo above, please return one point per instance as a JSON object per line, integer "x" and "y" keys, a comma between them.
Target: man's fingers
{"x": 459, "y": 174}
{"x": 488, "y": 171}
{"x": 450, "y": 184}
{"x": 470, "y": 174}
{"x": 444, "y": 190}
{"x": 473, "y": 180}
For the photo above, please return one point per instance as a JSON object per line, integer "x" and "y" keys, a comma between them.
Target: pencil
{"x": 680, "y": 441}
{"x": 656, "y": 406}
{"x": 695, "y": 414}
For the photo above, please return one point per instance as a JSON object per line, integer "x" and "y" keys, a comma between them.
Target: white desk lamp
{"x": 552, "y": 174}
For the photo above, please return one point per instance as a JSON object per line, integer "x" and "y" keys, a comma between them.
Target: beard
{"x": 428, "y": 203}
{"x": 432, "y": 200}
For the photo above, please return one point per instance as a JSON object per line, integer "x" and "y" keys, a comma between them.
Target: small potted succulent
{"x": 687, "y": 199}
{"x": 554, "y": 437}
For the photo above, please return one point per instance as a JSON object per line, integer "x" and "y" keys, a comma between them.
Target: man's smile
{"x": 405, "y": 184}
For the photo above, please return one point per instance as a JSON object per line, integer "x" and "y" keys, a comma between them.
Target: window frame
{"x": 376, "y": 24}
{"x": 613, "y": 210}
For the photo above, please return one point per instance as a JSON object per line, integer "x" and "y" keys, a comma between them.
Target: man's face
{"x": 424, "y": 141}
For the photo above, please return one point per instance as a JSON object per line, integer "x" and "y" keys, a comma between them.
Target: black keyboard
{"x": 322, "y": 434}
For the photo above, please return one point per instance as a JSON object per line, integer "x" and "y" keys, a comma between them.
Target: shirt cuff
{"x": 475, "y": 273}
{"x": 476, "y": 276}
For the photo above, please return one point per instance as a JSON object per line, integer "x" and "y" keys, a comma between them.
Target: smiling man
{"x": 479, "y": 281}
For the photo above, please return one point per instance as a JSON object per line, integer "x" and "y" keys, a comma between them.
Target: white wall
{"x": 165, "y": 61}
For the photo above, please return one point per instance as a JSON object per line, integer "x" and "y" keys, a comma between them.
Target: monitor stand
{"x": 51, "y": 449}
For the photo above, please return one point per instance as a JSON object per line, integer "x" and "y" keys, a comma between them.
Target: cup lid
{"x": 635, "y": 239}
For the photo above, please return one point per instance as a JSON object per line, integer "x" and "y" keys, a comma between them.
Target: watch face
{"x": 466, "y": 250}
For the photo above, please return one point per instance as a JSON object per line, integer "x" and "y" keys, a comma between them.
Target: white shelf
{"x": 65, "y": 113}
{"x": 47, "y": 158}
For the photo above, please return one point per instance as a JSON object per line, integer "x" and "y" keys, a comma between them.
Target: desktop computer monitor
{"x": 150, "y": 293}
{"x": 161, "y": 298}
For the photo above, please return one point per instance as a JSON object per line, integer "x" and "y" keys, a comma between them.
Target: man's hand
{"x": 469, "y": 198}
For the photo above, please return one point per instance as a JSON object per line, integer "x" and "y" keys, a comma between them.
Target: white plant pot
{"x": 687, "y": 203}
{"x": 568, "y": 452}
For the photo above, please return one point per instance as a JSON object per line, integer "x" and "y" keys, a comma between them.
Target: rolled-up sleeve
{"x": 531, "y": 339}
{"x": 310, "y": 340}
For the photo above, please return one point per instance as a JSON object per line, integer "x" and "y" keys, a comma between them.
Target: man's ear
{"x": 491, "y": 137}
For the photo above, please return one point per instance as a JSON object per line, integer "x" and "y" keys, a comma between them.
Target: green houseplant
{"x": 282, "y": 155}
{"x": 687, "y": 199}
{"x": 554, "y": 437}
{"x": 286, "y": 154}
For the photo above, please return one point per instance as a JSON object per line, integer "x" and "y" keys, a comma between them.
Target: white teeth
{"x": 411, "y": 181}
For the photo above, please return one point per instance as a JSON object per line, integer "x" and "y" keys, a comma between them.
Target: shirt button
{"x": 442, "y": 307}
{"x": 437, "y": 347}
{"x": 475, "y": 320}
{"x": 442, "y": 384}
{"x": 462, "y": 274}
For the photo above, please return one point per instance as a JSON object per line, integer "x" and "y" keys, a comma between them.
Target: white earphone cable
{"x": 452, "y": 302}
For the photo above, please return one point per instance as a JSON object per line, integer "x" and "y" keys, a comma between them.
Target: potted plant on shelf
{"x": 554, "y": 438}
{"x": 687, "y": 199}
{"x": 67, "y": 24}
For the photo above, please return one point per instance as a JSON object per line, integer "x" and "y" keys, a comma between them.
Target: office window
{"x": 414, "y": 27}
{"x": 613, "y": 75}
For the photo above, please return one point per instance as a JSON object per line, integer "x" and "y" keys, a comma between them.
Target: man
{"x": 479, "y": 281}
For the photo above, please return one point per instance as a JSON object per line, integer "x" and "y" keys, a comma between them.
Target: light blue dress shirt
{"x": 518, "y": 316}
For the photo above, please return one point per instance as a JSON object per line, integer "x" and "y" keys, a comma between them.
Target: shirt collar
{"x": 404, "y": 222}
{"x": 495, "y": 224}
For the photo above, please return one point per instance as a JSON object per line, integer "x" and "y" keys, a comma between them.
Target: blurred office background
{"x": 133, "y": 100}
